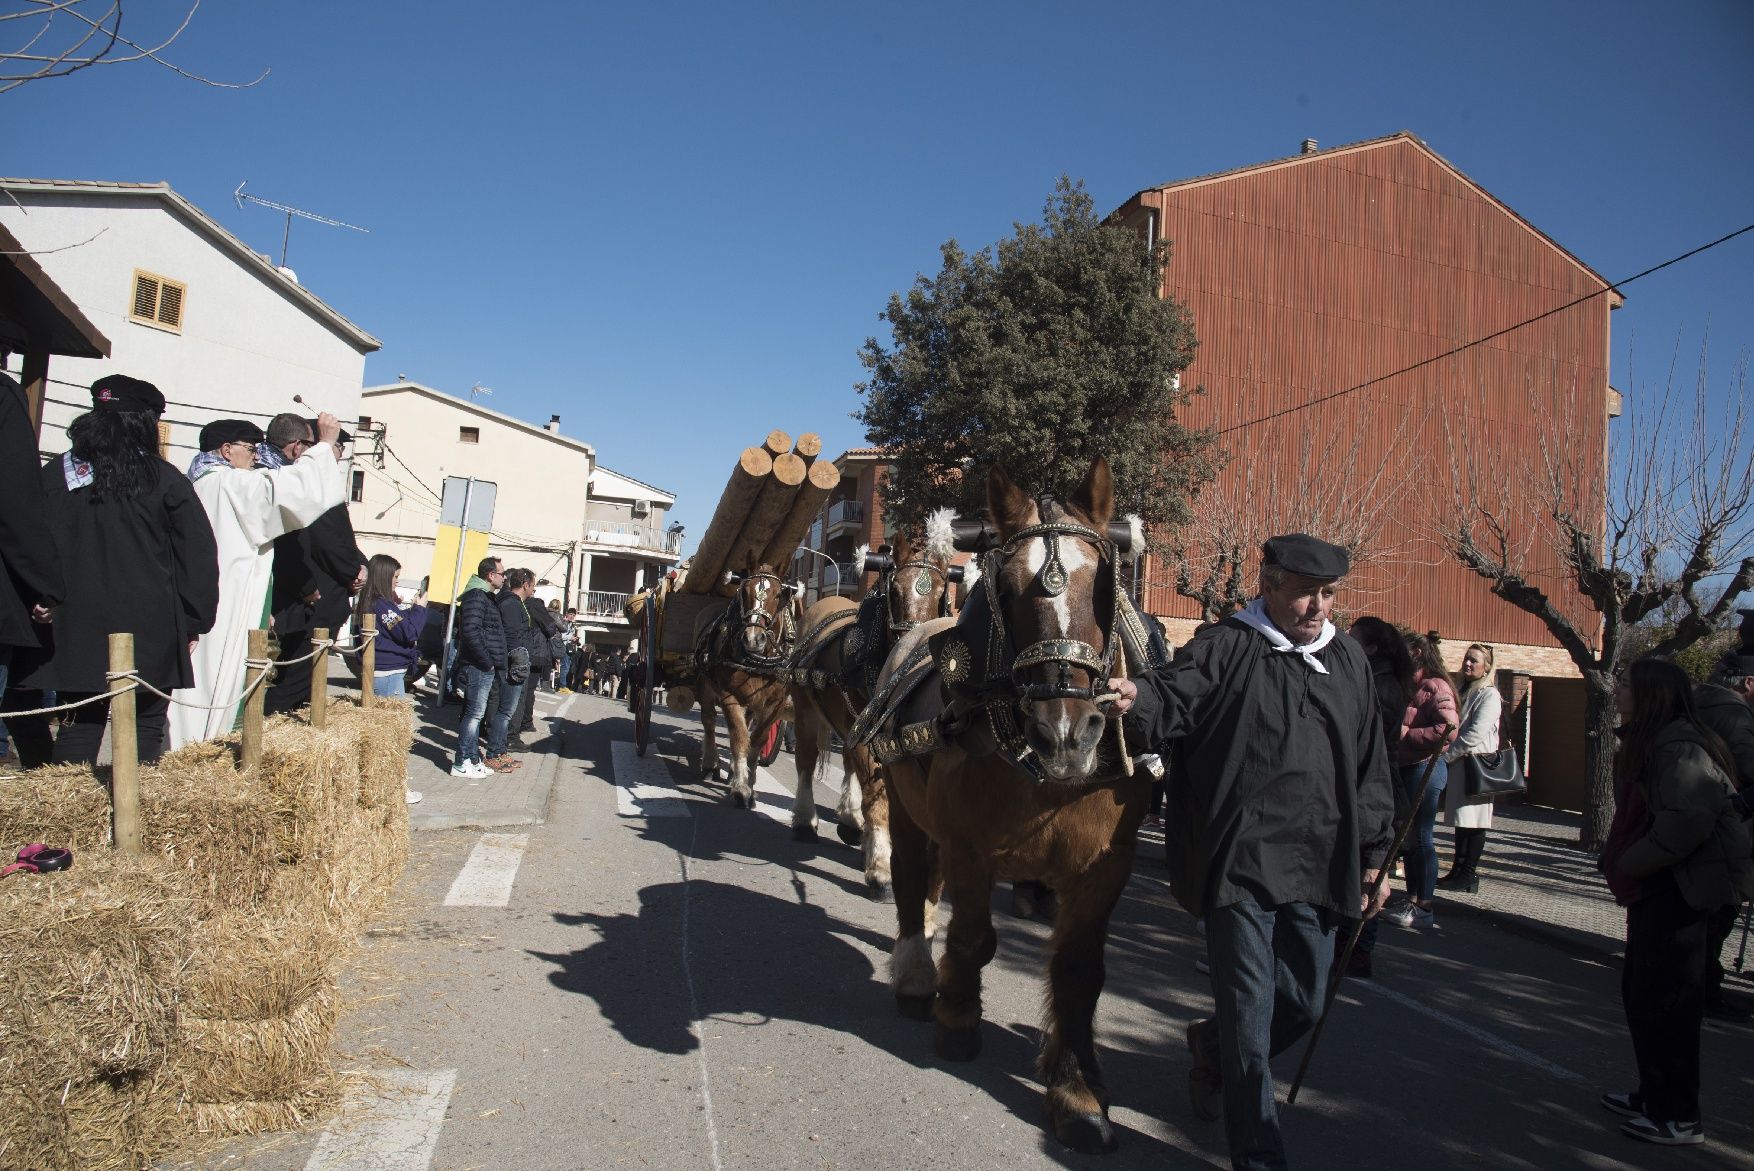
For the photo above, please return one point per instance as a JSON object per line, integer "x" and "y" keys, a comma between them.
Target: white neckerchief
{"x": 1255, "y": 615}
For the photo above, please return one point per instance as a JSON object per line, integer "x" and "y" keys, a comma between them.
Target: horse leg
{"x": 934, "y": 886}
{"x": 911, "y": 976}
{"x": 1077, "y": 1095}
{"x": 709, "y": 732}
{"x": 808, "y": 760}
{"x": 864, "y": 771}
{"x": 737, "y": 735}
{"x": 969, "y": 945}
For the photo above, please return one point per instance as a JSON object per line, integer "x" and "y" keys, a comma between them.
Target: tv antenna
{"x": 242, "y": 199}
{"x": 476, "y": 391}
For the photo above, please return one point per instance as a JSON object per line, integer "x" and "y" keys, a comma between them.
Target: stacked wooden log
{"x": 775, "y": 492}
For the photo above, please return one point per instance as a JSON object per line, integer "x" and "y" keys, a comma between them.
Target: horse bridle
{"x": 923, "y": 570}
{"x": 760, "y": 618}
{"x": 1066, "y": 652}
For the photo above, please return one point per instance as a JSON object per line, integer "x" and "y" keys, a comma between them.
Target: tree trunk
{"x": 1600, "y": 719}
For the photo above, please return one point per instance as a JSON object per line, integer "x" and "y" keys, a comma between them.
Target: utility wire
{"x": 1369, "y": 382}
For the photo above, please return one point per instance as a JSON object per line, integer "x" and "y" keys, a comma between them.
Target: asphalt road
{"x": 697, "y": 990}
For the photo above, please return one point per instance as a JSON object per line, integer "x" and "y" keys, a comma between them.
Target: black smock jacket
{"x": 30, "y": 564}
{"x": 1279, "y": 788}
{"x": 323, "y": 558}
{"x": 146, "y": 565}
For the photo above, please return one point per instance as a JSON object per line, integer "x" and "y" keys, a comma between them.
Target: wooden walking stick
{"x": 258, "y": 652}
{"x": 124, "y": 750}
{"x": 320, "y": 679}
{"x": 1352, "y": 938}
{"x": 368, "y": 659}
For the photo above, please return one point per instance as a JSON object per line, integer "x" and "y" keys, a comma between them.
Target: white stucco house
{"x": 185, "y": 304}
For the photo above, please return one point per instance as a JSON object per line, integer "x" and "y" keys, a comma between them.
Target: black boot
{"x": 1476, "y": 848}
{"x": 1461, "y": 871}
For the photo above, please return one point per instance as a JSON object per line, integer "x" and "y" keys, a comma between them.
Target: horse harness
{"x": 874, "y": 629}
{"x": 721, "y": 643}
{"x": 983, "y": 675}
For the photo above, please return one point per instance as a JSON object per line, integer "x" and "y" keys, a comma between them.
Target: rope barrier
{"x": 261, "y": 664}
{"x": 67, "y": 707}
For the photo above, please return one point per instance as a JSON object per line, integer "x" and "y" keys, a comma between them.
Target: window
{"x": 158, "y": 301}
{"x": 358, "y": 487}
{"x": 468, "y": 435}
{"x": 365, "y": 422}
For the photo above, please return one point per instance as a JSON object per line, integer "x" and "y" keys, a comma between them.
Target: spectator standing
{"x": 1423, "y": 733}
{"x": 1280, "y": 824}
{"x": 318, "y": 570}
{"x": 1726, "y": 706}
{"x": 248, "y": 508}
{"x": 519, "y": 629}
{"x": 569, "y": 647}
{"x": 1482, "y": 709}
{"x": 481, "y": 658}
{"x": 544, "y": 632}
{"x": 613, "y": 664}
{"x": 399, "y": 626}
{"x": 31, "y": 581}
{"x": 1677, "y": 851}
{"x": 139, "y": 556}
{"x": 1392, "y": 675}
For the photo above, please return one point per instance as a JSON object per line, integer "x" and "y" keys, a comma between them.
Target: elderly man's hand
{"x": 328, "y": 428}
{"x": 1126, "y": 691}
{"x": 1375, "y": 893}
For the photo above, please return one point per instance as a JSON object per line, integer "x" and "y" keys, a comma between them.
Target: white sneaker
{"x": 414, "y": 796}
{"x": 472, "y": 770}
{"x": 1411, "y": 914}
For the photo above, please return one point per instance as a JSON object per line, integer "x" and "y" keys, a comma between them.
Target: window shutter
{"x": 170, "y": 305}
{"x": 164, "y": 440}
{"x": 145, "y": 297}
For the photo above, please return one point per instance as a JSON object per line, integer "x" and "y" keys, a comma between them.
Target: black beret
{"x": 222, "y": 431}
{"x": 118, "y": 392}
{"x": 345, "y": 438}
{"x": 1302, "y": 554}
{"x": 1736, "y": 664}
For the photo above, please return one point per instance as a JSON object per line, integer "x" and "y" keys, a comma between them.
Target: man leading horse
{"x": 1282, "y": 812}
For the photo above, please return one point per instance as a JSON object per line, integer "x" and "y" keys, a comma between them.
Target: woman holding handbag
{"x": 1471, "y": 813}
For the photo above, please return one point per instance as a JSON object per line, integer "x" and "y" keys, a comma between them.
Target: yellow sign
{"x": 442, "y": 588}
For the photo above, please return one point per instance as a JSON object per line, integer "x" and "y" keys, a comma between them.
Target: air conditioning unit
{"x": 642, "y": 508}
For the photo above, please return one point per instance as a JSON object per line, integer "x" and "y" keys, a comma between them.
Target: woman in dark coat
{"x": 139, "y": 557}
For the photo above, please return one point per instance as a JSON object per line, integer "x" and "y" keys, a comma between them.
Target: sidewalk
{"x": 501, "y": 799}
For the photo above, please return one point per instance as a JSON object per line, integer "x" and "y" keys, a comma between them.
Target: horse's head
{"x": 1053, "y": 579}
{"x": 915, "y": 576}
{"x": 763, "y": 601}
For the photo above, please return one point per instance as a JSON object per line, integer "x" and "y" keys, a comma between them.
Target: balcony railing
{"x": 631, "y": 536}
{"x": 846, "y": 512}
{"x": 603, "y": 604}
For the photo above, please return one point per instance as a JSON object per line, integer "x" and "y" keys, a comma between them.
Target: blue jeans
{"x": 1421, "y": 849}
{"x": 389, "y": 686}
{"x": 476, "y": 683}
{"x": 511, "y": 699}
{"x": 1269, "y": 973}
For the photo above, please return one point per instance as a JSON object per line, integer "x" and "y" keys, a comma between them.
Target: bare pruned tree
{"x": 40, "y": 39}
{"x": 1661, "y": 520}
{"x": 1334, "y": 481}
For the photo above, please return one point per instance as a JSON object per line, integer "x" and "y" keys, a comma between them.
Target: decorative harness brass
{"x": 722, "y": 642}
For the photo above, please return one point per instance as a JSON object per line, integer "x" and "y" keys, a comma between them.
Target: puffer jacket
{"x": 1694, "y": 832}
{"x": 481, "y": 638}
{"x": 1723, "y": 711}
{"x": 1433, "y": 705}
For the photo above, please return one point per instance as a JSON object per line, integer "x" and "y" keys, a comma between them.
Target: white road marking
{"x": 1490, "y": 1040}
{"x": 486, "y": 878}
{"x": 642, "y": 784}
{"x": 695, "y": 1023}
{"x": 390, "y": 1123}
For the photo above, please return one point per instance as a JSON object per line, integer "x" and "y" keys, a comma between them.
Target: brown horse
{"x": 831, "y": 684}
{"x": 740, "y": 657}
{"x": 1026, "y": 785}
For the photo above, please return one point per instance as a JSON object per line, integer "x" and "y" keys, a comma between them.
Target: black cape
{"x": 1280, "y": 785}
{"x": 148, "y": 565}
{"x": 30, "y": 564}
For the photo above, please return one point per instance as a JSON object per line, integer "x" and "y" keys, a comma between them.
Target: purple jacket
{"x": 399, "y": 630}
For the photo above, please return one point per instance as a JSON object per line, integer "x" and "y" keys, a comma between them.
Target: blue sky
{"x": 673, "y": 224}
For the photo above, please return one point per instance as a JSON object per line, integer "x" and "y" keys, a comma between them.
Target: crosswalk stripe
{"x": 389, "y": 1122}
{"x": 642, "y": 784}
{"x": 487, "y": 877}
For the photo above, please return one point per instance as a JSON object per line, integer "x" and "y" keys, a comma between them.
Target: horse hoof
{"x": 1089, "y": 1134}
{"x": 849, "y": 834}
{"x": 740, "y": 801}
{"x": 914, "y": 1008}
{"x": 879, "y": 892}
{"x": 805, "y": 833}
{"x": 957, "y": 1044}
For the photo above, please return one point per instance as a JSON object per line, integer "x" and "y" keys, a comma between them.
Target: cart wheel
{"x": 770, "y": 744}
{"x": 642, "y": 720}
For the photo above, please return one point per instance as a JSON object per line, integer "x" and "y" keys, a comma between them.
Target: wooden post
{"x": 368, "y": 659}
{"x": 320, "y": 679}
{"x": 124, "y": 753}
{"x": 258, "y": 652}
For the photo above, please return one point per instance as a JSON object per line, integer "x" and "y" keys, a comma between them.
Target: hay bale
{"x": 260, "y": 1117}
{"x": 220, "y": 1060}
{"x": 384, "y": 733}
{"x": 110, "y": 1124}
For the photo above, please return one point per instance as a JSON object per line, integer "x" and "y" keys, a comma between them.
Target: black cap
{"x": 1736, "y": 664}
{"x": 1304, "y": 555}
{"x": 118, "y": 392}
{"x": 222, "y": 431}
{"x": 344, "y": 438}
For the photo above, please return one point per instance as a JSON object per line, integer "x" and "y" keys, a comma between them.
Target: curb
{"x": 534, "y": 811}
{"x": 1584, "y": 944}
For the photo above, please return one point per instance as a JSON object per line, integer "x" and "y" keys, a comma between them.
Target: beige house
{"x": 592, "y": 535}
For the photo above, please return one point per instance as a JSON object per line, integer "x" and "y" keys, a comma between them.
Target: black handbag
{"x": 1495, "y": 774}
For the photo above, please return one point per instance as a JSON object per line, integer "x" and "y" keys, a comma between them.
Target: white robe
{"x": 248, "y": 509}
